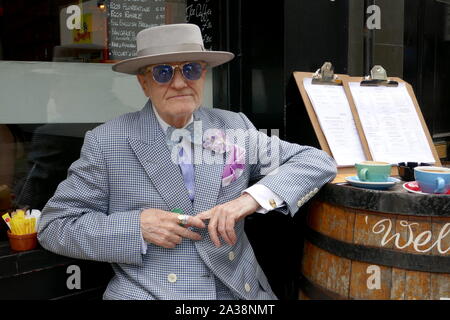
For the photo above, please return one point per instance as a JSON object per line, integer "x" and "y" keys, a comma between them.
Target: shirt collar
{"x": 164, "y": 125}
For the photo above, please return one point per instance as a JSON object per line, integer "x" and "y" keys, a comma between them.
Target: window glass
{"x": 56, "y": 81}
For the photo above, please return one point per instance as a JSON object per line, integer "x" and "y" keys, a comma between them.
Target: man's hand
{"x": 162, "y": 228}
{"x": 222, "y": 218}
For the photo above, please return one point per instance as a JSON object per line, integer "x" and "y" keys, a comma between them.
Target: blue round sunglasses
{"x": 163, "y": 73}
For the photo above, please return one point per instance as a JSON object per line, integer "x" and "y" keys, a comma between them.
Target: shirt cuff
{"x": 265, "y": 197}
{"x": 143, "y": 245}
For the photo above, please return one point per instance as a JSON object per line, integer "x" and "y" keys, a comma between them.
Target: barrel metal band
{"x": 316, "y": 292}
{"x": 380, "y": 256}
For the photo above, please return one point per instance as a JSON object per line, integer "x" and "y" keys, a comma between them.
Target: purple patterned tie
{"x": 187, "y": 169}
{"x": 186, "y": 166}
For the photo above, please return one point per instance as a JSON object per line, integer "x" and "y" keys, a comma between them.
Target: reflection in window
{"x": 80, "y": 31}
{"x": 56, "y": 83}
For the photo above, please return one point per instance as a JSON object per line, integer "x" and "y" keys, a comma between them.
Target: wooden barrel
{"x": 367, "y": 244}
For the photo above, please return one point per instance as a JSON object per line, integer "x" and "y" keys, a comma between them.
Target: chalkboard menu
{"x": 125, "y": 19}
{"x": 201, "y": 13}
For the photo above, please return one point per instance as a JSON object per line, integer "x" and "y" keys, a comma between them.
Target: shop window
{"x": 56, "y": 81}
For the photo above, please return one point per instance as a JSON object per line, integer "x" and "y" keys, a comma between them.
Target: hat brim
{"x": 212, "y": 58}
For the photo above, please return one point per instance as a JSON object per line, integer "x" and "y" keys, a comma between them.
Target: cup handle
{"x": 362, "y": 174}
{"x": 440, "y": 185}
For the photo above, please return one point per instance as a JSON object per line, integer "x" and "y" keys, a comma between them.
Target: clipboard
{"x": 378, "y": 77}
{"x": 325, "y": 75}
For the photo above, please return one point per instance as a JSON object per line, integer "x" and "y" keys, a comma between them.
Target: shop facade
{"x": 56, "y": 83}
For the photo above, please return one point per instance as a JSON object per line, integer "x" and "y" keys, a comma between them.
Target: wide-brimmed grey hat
{"x": 171, "y": 43}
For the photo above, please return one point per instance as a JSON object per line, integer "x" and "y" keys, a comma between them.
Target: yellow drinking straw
{"x": 19, "y": 224}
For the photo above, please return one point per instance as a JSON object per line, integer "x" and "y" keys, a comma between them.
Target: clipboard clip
{"x": 325, "y": 75}
{"x": 378, "y": 77}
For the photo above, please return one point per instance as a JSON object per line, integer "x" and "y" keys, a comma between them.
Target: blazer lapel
{"x": 208, "y": 177}
{"x": 152, "y": 152}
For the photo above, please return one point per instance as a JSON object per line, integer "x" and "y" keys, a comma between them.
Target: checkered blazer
{"x": 125, "y": 167}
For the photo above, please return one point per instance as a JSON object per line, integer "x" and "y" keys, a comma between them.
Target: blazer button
{"x": 247, "y": 287}
{"x": 172, "y": 277}
{"x": 231, "y": 255}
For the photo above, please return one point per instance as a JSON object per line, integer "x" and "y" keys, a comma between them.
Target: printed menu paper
{"x": 390, "y": 123}
{"x": 336, "y": 121}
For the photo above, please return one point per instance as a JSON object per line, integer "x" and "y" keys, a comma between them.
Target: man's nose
{"x": 178, "y": 80}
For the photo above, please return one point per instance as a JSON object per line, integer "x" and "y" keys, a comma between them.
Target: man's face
{"x": 178, "y": 98}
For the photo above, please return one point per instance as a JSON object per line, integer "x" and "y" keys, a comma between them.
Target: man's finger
{"x": 175, "y": 239}
{"x": 230, "y": 230}
{"x": 167, "y": 240}
{"x": 212, "y": 228}
{"x": 182, "y": 219}
{"x": 171, "y": 237}
{"x": 186, "y": 233}
{"x": 195, "y": 221}
{"x": 222, "y": 226}
{"x": 168, "y": 245}
{"x": 205, "y": 215}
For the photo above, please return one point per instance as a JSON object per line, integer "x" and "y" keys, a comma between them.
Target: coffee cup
{"x": 433, "y": 179}
{"x": 373, "y": 171}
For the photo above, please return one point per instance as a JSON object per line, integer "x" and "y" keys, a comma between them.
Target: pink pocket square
{"x": 235, "y": 165}
{"x": 215, "y": 140}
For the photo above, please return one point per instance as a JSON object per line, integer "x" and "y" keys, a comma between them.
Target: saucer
{"x": 413, "y": 186}
{"x": 354, "y": 181}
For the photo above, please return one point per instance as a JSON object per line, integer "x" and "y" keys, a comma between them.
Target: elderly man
{"x": 166, "y": 208}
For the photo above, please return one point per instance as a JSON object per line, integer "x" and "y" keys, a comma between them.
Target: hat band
{"x": 170, "y": 49}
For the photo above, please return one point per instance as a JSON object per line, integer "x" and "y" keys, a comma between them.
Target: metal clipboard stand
{"x": 325, "y": 75}
{"x": 378, "y": 77}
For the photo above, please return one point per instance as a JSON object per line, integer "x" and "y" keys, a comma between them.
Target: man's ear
{"x": 204, "y": 71}
{"x": 143, "y": 83}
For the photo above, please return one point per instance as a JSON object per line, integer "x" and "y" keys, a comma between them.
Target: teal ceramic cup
{"x": 373, "y": 171}
{"x": 433, "y": 179}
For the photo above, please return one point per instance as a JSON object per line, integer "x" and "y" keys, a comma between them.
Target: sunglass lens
{"x": 162, "y": 73}
{"x": 192, "y": 70}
